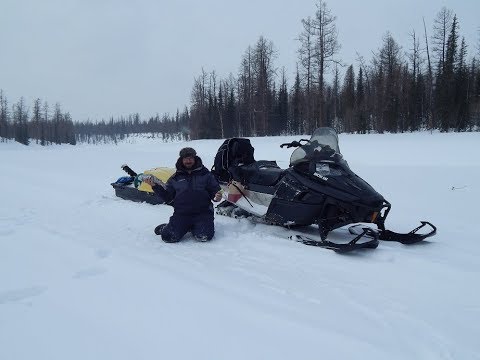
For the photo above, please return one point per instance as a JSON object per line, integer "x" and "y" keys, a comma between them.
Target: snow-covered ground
{"x": 82, "y": 276}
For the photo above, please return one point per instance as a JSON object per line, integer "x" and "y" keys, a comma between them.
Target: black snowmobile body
{"x": 318, "y": 188}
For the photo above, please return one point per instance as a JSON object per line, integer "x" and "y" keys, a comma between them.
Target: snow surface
{"x": 82, "y": 276}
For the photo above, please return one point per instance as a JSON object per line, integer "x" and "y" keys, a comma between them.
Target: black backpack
{"x": 233, "y": 152}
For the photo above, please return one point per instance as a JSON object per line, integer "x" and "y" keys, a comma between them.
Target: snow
{"x": 82, "y": 275}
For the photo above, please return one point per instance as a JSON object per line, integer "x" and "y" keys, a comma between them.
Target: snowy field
{"x": 82, "y": 276}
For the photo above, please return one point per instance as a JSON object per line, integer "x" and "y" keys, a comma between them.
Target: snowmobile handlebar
{"x": 295, "y": 143}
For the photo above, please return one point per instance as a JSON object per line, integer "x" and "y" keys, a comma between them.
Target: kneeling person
{"x": 190, "y": 190}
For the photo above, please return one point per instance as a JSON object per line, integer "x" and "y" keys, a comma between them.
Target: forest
{"x": 431, "y": 84}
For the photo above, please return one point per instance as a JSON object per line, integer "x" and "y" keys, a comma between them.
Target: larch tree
{"x": 348, "y": 101}
{"x": 325, "y": 48}
{"x": 20, "y": 119}
{"x": 264, "y": 73}
{"x": 306, "y": 71}
{"x": 441, "y": 27}
{"x": 391, "y": 62}
{"x": 360, "y": 104}
{"x": 296, "y": 107}
{"x": 4, "y": 117}
{"x": 246, "y": 86}
{"x": 36, "y": 120}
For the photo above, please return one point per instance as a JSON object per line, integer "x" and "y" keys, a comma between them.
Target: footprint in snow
{"x": 85, "y": 273}
{"x": 102, "y": 253}
{"x": 21, "y": 294}
{"x": 6, "y": 232}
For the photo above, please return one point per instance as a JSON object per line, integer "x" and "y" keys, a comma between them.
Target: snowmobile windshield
{"x": 323, "y": 141}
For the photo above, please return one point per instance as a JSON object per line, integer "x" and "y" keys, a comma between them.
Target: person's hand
{"x": 153, "y": 181}
{"x": 149, "y": 181}
{"x": 218, "y": 196}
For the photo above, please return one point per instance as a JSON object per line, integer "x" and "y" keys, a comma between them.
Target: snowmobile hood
{"x": 338, "y": 182}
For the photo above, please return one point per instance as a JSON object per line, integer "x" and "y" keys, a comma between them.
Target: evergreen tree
{"x": 4, "y": 117}
{"x": 348, "y": 101}
{"x": 333, "y": 119}
{"x": 296, "y": 123}
{"x": 282, "y": 106}
{"x": 20, "y": 119}
{"x": 445, "y": 89}
{"x": 264, "y": 71}
{"x": 388, "y": 88}
{"x": 360, "y": 106}
{"x": 36, "y": 120}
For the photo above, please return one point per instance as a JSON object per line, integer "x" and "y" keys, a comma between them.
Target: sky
{"x": 102, "y": 58}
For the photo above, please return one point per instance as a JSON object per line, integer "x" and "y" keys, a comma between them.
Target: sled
{"x": 133, "y": 188}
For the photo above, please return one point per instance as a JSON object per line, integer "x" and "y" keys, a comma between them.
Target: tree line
{"x": 44, "y": 125}
{"x": 166, "y": 127}
{"x": 47, "y": 127}
{"x": 434, "y": 84}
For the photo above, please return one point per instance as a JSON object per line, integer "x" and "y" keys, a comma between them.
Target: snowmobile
{"x": 317, "y": 188}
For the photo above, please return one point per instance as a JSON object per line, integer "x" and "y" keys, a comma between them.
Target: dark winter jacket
{"x": 189, "y": 192}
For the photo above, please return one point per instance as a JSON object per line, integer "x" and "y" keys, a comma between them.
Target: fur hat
{"x": 187, "y": 151}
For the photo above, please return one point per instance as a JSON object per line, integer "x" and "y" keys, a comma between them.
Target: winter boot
{"x": 203, "y": 238}
{"x": 158, "y": 230}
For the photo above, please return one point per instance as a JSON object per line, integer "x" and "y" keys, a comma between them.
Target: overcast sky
{"x": 99, "y": 58}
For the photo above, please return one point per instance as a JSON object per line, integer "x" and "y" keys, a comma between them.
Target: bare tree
{"x": 245, "y": 91}
{"x": 305, "y": 54}
{"x": 326, "y": 46}
{"x": 441, "y": 27}
{"x": 199, "y": 102}
{"x": 429, "y": 110}
{"x": 413, "y": 85}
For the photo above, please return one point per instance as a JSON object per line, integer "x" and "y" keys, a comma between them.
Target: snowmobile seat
{"x": 262, "y": 172}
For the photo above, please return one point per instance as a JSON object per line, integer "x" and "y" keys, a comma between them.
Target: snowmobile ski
{"x": 342, "y": 248}
{"x": 405, "y": 238}
{"x": 409, "y": 238}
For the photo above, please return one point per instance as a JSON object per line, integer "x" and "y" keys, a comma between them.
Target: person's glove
{"x": 151, "y": 180}
{"x": 218, "y": 196}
